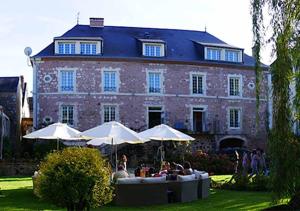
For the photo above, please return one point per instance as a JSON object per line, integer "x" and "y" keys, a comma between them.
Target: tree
{"x": 76, "y": 178}
{"x": 283, "y": 146}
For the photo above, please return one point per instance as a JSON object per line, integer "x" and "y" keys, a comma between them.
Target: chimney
{"x": 96, "y": 22}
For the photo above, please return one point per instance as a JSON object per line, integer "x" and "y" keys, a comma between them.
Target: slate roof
{"x": 123, "y": 42}
{"x": 9, "y": 84}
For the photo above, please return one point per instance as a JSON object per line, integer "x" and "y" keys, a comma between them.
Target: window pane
{"x": 213, "y": 54}
{"x": 67, "y": 80}
{"x": 109, "y": 113}
{"x": 67, "y": 115}
{"x": 232, "y": 56}
{"x": 234, "y": 118}
{"x": 94, "y": 49}
{"x": 154, "y": 83}
{"x": 197, "y": 84}
{"x": 110, "y": 81}
{"x": 234, "y": 86}
{"x": 153, "y": 50}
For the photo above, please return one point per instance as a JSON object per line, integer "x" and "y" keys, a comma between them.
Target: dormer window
{"x": 66, "y": 47}
{"x": 78, "y": 45}
{"x": 153, "y": 49}
{"x": 221, "y": 52}
{"x": 88, "y": 48}
{"x": 213, "y": 54}
{"x": 231, "y": 56}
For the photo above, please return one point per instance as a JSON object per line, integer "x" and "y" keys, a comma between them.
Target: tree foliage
{"x": 284, "y": 147}
{"x": 76, "y": 178}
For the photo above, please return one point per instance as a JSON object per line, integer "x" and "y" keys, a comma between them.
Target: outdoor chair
{"x": 203, "y": 184}
{"x": 145, "y": 192}
{"x": 185, "y": 190}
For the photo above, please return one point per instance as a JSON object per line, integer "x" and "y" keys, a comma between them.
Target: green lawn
{"x": 17, "y": 195}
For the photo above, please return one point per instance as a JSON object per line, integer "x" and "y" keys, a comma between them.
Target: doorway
{"x": 198, "y": 120}
{"x": 154, "y": 116}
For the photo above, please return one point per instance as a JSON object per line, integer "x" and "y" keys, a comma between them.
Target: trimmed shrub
{"x": 212, "y": 163}
{"x": 76, "y": 178}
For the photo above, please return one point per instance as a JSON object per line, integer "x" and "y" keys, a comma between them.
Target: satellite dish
{"x": 27, "y": 51}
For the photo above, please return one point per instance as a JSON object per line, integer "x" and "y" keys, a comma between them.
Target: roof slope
{"x": 122, "y": 42}
{"x": 9, "y": 84}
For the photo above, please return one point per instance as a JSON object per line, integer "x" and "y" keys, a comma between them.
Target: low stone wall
{"x": 17, "y": 168}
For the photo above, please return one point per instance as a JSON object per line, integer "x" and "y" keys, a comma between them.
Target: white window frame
{"x": 64, "y": 43}
{"x": 223, "y": 54}
{"x": 91, "y": 52}
{"x": 116, "y": 106}
{"x": 240, "y": 78}
{"x": 160, "y": 45}
{"x": 204, "y": 87}
{"x": 60, "y": 80}
{"x": 160, "y": 82}
{"x": 207, "y": 49}
{"x": 117, "y": 79}
{"x": 232, "y": 51}
{"x": 239, "y": 118}
{"x": 61, "y": 113}
{"x": 99, "y": 44}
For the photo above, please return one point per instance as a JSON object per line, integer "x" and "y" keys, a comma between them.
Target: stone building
{"x": 13, "y": 99}
{"x": 190, "y": 80}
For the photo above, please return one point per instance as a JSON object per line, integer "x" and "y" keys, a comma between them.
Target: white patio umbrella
{"x": 164, "y": 133}
{"x": 113, "y": 133}
{"x": 55, "y": 131}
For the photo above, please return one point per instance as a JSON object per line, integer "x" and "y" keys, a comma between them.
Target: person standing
{"x": 245, "y": 163}
{"x": 236, "y": 161}
{"x": 254, "y": 163}
{"x": 123, "y": 162}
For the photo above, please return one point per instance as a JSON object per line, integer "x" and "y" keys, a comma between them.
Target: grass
{"x": 17, "y": 195}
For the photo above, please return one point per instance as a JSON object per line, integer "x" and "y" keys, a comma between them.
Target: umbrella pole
{"x": 57, "y": 144}
{"x": 111, "y": 152}
{"x": 116, "y": 157}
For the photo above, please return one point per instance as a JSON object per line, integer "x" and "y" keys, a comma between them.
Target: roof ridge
{"x": 138, "y": 27}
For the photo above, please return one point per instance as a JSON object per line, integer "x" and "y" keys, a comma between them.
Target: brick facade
{"x": 132, "y": 99}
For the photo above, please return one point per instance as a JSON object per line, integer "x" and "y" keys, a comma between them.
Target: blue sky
{"x": 34, "y": 23}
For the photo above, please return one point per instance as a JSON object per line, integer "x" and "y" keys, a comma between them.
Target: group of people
{"x": 171, "y": 170}
{"x": 256, "y": 161}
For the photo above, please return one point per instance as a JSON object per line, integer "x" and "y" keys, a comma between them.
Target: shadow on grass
{"x": 23, "y": 198}
{"x": 218, "y": 200}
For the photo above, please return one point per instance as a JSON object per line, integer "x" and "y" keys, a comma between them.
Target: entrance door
{"x": 198, "y": 121}
{"x": 154, "y": 116}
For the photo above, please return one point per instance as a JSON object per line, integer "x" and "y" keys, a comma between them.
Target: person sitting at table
{"x": 121, "y": 173}
{"x": 187, "y": 168}
{"x": 165, "y": 168}
{"x": 176, "y": 167}
{"x": 123, "y": 162}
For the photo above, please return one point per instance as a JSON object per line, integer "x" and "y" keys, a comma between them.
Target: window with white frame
{"x": 67, "y": 114}
{"x": 153, "y": 49}
{"x": 88, "y": 48}
{"x": 109, "y": 113}
{"x": 110, "y": 81}
{"x": 154, "y": 82}
{"x": 66, "y": 48}
{"x": 67, "y": 80}
{"x": 231, "y": 56}
{"x": 235, "y": 86}
{"x": 213, "y": 54}
{"x": 197, "y": 84}
{"x": 234, "y": 118}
